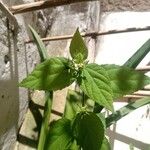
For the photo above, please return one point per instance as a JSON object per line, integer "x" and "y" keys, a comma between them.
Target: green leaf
{"x": 52, "y": 74}
{"x": 74, "y": 146}
{"x": 95, "y": 83}
{"x": 74, "y": 104}
{"x": 102, "y": 118}
{"x": 126, "y": 110}
{"x": 59, "y": 136}
{"x": 40, "y": 45}
{"x": 78, "y": 49}
{"x": 132, "y": 62}
{"x": 88, "y": 130}
{"x": 105, "y": 145}
{"x": 125, "y": 80}
{"x": 138, "y": 55}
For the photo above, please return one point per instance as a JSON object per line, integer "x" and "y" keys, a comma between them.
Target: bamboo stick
{"x": 129, "y": 98}
{"x": 92, "y": 34}
{"x": 147, "y": 87}
{"x": 143, "y": 69}
{"x": 142, "y": 93}
{"x": 134, "y": 96}
{"x": 9, "y": 15}
{"x": 23, "y": 8}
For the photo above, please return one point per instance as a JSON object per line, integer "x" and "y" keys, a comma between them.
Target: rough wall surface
{"x": 125, "y": 5}
{"x": 13, "y": 101}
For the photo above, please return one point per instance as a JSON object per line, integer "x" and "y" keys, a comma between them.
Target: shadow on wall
{"x": 9, "y": 91}
{"x": 9, "y": 105}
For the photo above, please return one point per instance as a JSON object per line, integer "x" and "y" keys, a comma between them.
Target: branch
{"x": 42, "y": 5}
{"x": 93, "y": 34}
{"x": 9, "y": 15}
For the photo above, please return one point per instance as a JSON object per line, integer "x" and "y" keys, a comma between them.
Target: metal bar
{"x": 92, "y": 34}
{"x": 9, "y": 15}
{"x": 23, "y": 8}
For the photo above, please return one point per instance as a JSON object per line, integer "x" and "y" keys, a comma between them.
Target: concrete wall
{"x": 13, "y": 62}
{"x": 128, "y": 5}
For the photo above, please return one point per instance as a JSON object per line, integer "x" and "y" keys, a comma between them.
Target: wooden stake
{"x": 128, "y": 98}
{"x": 42, "y": 5}
{"x": 142, "y": 93}
{"x": 9, "y": 15}
{"x": 92, "y": 34}
{"x": 147, "y": 87}
{"x": 143, "y": 69}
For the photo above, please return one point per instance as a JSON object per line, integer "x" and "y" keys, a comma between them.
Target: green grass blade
{"x": 40, "y": 45}
{"x": 138, "y": 56}
{"x": 126, "y": 110}
{"x": 48, "y": 95}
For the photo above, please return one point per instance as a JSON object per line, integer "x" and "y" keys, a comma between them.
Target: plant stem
{"x": 126, "y": 110}
{"x": 45, "y": 122}
{"x": 83, "y": 99}
{"x": 97, "y": 108}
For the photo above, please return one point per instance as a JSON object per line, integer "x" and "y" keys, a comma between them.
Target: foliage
{"x": 80, "y": 127}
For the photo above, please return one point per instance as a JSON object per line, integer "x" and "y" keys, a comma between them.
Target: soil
{"x": 125, "y": 5}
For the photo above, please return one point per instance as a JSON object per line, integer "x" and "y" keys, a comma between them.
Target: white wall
{"x": 116, "y": 49}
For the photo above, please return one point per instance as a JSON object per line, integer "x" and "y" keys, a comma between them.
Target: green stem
{"x": 45, "y": 122}
{"x": 111, "y": 119}
{"x": 97, "y": 108}
{"x": 83, "y": 99}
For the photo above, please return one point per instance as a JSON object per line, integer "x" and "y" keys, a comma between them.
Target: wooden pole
{"x": 128, "y": 98}
{"x": 142, "y": 93}
{"x": 9, "y": 15}
{"x": 143, "y": 69}
{"x": 42, "y": 5}
{"x": 147, "y": 87}
{"x": 92, "y": 34}
{"x": 134, "y": 96}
